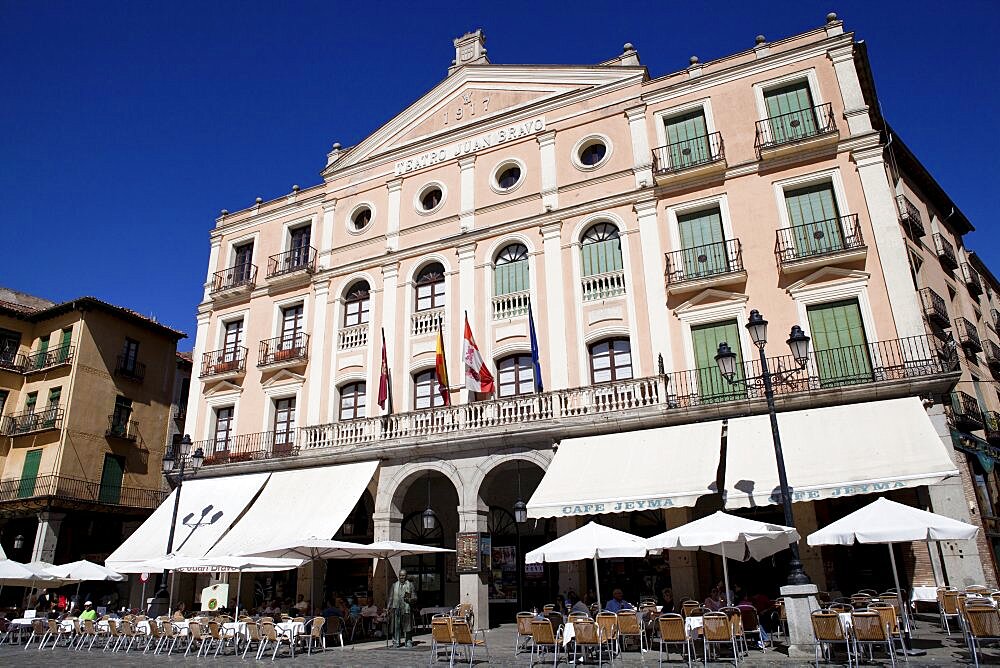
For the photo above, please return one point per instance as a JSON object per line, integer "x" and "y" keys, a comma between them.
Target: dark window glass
{"x": 509, "y": 177}
{"x": 430, "y": 199}
{"x": 284, "y": 421}
{"x": 362, "y": 218}
{"x": 593, "y": 154}
{"x": 223, "y": 427}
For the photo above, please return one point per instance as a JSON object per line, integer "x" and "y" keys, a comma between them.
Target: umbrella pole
{"x": 903, "y": 602}
{"x": 239, "y": 587}
{"x": 725, "y": 574}
{"x": 170, "y": 600}
{"x": 597, "y": 585}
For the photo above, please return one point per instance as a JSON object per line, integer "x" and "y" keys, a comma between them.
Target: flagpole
{"x": 444, "y": 365}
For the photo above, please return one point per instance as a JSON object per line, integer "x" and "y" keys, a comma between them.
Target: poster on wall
{"x": 503, "y": 579}
{"x": 467, "y": 552}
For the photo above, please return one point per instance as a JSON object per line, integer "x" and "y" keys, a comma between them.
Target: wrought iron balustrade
{"x": 232, "y": 359}
{"x": 130, "y": 368}
{"x": 689, "y": 153}
{"x": 794, "y": 126}
{"x": 935, "y": 308}
{"x": 971, "y": 279}
{"x": 945, "y": 251}
{"x": 46, "y": 359}
{"x": 965, "y": 412}
{"x": 816, "y": 239}
{"x": 238, "y": 276}
{"x": 77, "y": 491}
{"x": 688, "y": 264}
{"x": 296, "y": 259}
{"x": 287, "y": 348}
{"x": 249, "y": 447}
{"x": 30, "y": 421}
{"x": 120, "y": 426}
{"x": 910, "y": 215}
{"x": 968, "y": 335}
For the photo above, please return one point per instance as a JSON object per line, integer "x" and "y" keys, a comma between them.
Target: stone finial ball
{"x": 225, "y": 212}
{"x": 831, "y": 17}
{"x": 628, "y": 46}
{"x": 760, "y": 39}
{"x": 336, "y": 146}
{"x": 259, "y": 200}
{"x": 694, "y": 60}
{"x": 295, "y": 188}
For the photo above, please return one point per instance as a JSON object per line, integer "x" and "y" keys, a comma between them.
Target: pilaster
{"x": 326, "y": 233}
{"x": 213, "y": 266}
{"x": 855, "y": 109}
{"x": 395, "y": 188}
{"x": 390, "y": 276}
{"x": 467, "y": 208}
{"x": 642, "y": 156}
{"x": 652, "y": 265}
{"x": 317, "y": 370}
{"x": 547, "y": 158}
{"x": 46, "y": 536}
{"x": 554, "y": 315}
{"x": 192, "y": 422}
{"x": 473, "y": 587}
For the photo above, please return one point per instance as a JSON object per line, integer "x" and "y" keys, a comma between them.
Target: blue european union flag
{"x": 534, "y": 351}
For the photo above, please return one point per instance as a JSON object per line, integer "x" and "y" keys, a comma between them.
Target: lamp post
{"x": 798, "y": 342}
{"x": 520, "y": 517}
{"x": 175, "y": 466}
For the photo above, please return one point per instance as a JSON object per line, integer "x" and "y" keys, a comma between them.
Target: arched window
{"x": 610, "y": 360}
{"x": 357, "y": 304}
{"x": 352, "y": 401}
{"x": 516, "y": 375}
{"x": 426, "y": 391}
{"x": 601, "y": 250}
{"x": 430, "y": 287}
{"x": 511, "y": 273}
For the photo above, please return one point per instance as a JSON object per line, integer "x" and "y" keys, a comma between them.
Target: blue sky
{"x": 127, "y": 126}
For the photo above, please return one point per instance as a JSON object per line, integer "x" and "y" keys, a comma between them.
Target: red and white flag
{"x": 477, "y": 377}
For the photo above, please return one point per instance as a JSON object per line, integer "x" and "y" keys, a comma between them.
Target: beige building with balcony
{"x": 85, "y": 392}
{"x": 636, "y": 221}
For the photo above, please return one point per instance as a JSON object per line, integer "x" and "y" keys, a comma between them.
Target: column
{"x": 317, "y": 371}
{"x": 326, "y": 234}
{"x": 473, "y": 587}
{"x": 46, "y": 536}
{"x": 652, "y": 265}
{"x": 467, "y": 208}
{"x": 855, "y": 109}
{"x": 192, "y": 423}
{"x": 804, "y": 517}
{"x": 390, "y": 274}
{"x": 572, "y": 574}
{"x": 467, "y": 279}
{"x": 547, "y": 155}
{"x": 395, "y": 188}
{"x": 683, "y": 568}
{"x": 889, "y": 240}
{"x": 550, "y": 313}
{"x": 642, "y": 156}
{"x": 387, "y": 526}
{"x": 213, "y": 266}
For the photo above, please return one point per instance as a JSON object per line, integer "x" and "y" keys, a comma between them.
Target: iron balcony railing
{"x": 991, "y": 425}
{"x": 122, "y": 427}
{"x": 250, "y": 447}
{"x": 30, "y": 421}
{"x": 824, "y": 237}
{"x": 47, "y": 359}
{"x": 893, "y": 360}
{"x": 910, "y": 215}
{"x": 76, "y": 490}
{"x": 945, "y": 251}
{"x": 935, "y": 308}
{"x": 965, "y": 412}
{"x": 232, "y": 359}
{"x": 130, "y": 368}
{"x": 688, "y": 153}
{"x": 297, "y": 259}
{"x": 723, "y": 257}
{"x": 238, "y": 276}
{"x": 180, "y": 413}
{"x": 968, "y": 335}
{"x": 287, "y": 348}
{"x": 971, "y": 279}
{"x": 991, "y": 351}
{"x": 995, "y": 316}
{"x": 794, "y": 127}
{"x": 10, "y": 360}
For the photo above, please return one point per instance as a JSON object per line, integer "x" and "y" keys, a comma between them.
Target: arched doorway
{"x": 433, "y": 576}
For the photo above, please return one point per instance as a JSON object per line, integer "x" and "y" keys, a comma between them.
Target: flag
{"x": 441, "y": 369}
{"x": 383, "y": 379}
{"x": 536, "y": 367}
{"x": 477, "y": 377}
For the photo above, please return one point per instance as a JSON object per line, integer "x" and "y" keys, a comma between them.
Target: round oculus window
{"x": 593, "y": 153}
{"x": 431, "y": 198}
{"x": 362, "y": 218}
{"x": 509, "y": 177}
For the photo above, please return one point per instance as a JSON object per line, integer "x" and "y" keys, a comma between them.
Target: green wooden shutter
{"x": 705, "y": 339}
{"x": 43, "y": 347}
{"x": 111, "y": 479}
{"x": 790, "y": 112}
{"x": 815, "y": 220}
{"x": 510, "y": 277}
{"x": 687, "y": 137}
{"x": 838, "y": 339}
{"x": 67, "y": 337}
{"x": 602, "y": 257}
{"x": 52, "y": 409}
{"x": 703, "y": 240}
{"x": 29, "y": 473}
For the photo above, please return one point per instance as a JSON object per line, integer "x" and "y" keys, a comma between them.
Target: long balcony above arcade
{"x": 898, "y": 367}
{"x": 56, "y": 491}
{"x": 820, "y": 243}
{"x": 32, "y": 421}
{"x": 705, "y": 266}
{"x": 689, "y": 158}
{"x": 797, "y": 130}
{"x": 229, "y": 362}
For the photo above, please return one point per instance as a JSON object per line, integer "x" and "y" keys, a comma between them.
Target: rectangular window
{"x": 3, "y": 399}
{"x": 43, "y": 349}
{"x": 704, "y": 243}
{"x": 232, "y": 341}
{"x": 426, "y": 392}
{"x": 64, "y": 343}
{"x": 130, "y": 355}
{"x": 291, "y": 324}
{"x": 610, "y": 361}
{"x": 29, "y": 402}
{"x": 839, "y": 342}
{"x": 515, "y": 375}
{"x": 299, "y": 243}
{"x": 223, "y": 428}
{"x": 54, "y": 395}
{"x": 51, "y": 411}
{"x": 790, "y": 112}
{"x": 29, "y": 473}
{"x": 705, "y": 340}
{"x": 120, "y": 418}
{"x": 815, "y": 219}
{"x": 111, "y": 479}
{"x": 430, "y": 295}
{"x": 352, "y": 401}
{"x": 243, "y": 263}
{"x": 10, "y": 343}
{"x": 284, "y": 423}
{"x": 687, "y": 140}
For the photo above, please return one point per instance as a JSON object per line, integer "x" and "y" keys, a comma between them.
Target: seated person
{"x": 714, "y": 600}
{"x": 668, "y": 600}
{"x": 617, "y": 602}
{"x": 88, "y": 612}
{"x": 331, "y": 610}
{"x": 179, "y": 612}
{"x": 576, "y": 605}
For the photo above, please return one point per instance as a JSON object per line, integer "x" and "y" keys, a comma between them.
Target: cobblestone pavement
{"x": 941, "y": 651}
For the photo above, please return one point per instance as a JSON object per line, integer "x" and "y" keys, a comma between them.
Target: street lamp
{"x": 18, "y": 541}
{"x": 798, "y": 342}
{"x": 175, "y": 465}
{"x": 520, "y": 508}
{"x": 427, "y": 517}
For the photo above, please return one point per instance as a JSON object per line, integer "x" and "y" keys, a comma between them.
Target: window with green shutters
{"x": 705, "y": 340}
{"x": 790, "y": 112}
{"x": 815, "y": 220}
{"x": 839, "y": 343}
{"x": 601, "y": 250}
{"x": 703, "y": 242}
{"x": 511, "y": 272}
{"x": 687, "y": 140}
{"x": 29, "y": 473}
{"x": 51, "y": 410}
{"x": 3, "y": 399}
{"x": 43, "y": 348}
{"x": 64, "y": 343}
{"x": 111, "y": 479}
{"x": 29, "y": 402}
{"x": 121, "y": 416}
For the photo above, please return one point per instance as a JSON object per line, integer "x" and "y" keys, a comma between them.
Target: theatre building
{"x": 621, "y": 226}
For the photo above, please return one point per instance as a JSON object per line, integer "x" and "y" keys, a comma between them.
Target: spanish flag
{"x": 441, "y": 369}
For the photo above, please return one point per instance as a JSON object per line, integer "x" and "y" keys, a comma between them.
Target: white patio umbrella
{"x": 85, "y": 570}
{"x": 729, "y": 536}
{"x": 389, "y": 549}
{"x": 16, "y": 574}
{"x": 591, "y": 541}
{"x": 885, "y": 521}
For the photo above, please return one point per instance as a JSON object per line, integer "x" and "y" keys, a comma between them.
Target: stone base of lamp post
{"x": 800, "y": 601}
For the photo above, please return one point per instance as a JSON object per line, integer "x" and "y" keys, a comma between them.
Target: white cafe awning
{"x": 298, "y": 504}
{"x": 634, "y": 470}
{"x": 208, "y": 507}
{"x": 866, "y": 448}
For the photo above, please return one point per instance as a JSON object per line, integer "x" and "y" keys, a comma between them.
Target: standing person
{"x": 401, "y": 597}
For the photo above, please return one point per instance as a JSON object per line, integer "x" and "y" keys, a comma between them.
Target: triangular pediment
{"x": 710, "y": 298}
{"x": 222, "y": 387}
{"x": 478, "y": 97}
{"x": 825, "y": 276}
{"x": 284, "y": 376}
